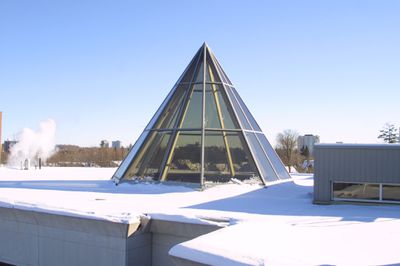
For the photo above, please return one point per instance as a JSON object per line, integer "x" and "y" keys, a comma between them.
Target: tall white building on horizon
{"x": 116, "y": 144}
{"x": 308, "y": 140}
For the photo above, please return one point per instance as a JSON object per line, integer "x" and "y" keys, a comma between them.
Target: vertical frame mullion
{"x": 203, "y": 117}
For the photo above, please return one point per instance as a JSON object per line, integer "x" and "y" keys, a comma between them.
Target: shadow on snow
{"x": 102, "y": 186}
{"x": 290, "y": 199}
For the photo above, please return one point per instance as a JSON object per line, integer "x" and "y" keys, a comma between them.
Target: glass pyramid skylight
{"x": 202, "y": 133}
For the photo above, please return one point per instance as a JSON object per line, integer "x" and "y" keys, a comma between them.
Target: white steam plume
{"x": 32, "y": 145}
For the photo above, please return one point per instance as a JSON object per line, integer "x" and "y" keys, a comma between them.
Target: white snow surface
{"x": 277, "y": 225}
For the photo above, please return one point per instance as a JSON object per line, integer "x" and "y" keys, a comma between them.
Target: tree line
{"x": 70, "y": 155}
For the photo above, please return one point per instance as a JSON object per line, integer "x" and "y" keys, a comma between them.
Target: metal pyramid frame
{"x": 202, "y": 133}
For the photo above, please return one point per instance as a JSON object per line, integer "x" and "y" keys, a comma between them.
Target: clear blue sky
{"x": 100, "y": 69}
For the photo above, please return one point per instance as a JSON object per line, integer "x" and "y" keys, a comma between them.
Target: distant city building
{"x": 308, "y": 141}
{"x": 104, "y": 144}
{"x": 116, "y": 144}
{"x": 8, "y": 144}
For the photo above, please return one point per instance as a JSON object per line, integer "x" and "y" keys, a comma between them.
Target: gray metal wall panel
{"x": 354, "y": 163}
{"x": 324, "y": 191}
{"x": 316, "y": 171}
{"x": 396, "y": 164}
{"x": 321, "y": 176}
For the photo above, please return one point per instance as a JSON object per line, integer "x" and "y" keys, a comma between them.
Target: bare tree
{"x": 286, "y": 147}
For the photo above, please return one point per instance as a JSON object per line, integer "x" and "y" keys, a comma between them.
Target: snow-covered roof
{"x": 359, "y": 145}
{"x": 273, "y": 225}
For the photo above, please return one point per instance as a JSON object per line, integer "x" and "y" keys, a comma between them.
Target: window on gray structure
{"x": 356, "y": 191}
{"x": 390, "y": 193}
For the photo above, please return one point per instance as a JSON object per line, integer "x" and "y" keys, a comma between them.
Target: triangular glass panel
{"x": 211, "y": 71}
{"x": 188, "y": 74}
{"x": 221, "y": 71}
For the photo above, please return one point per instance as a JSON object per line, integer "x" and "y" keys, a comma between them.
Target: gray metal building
{"x": 357, "y": 172}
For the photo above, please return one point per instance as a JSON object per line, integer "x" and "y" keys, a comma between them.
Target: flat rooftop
{"x": 272, "y": 225}
{"x": 358, "y": 145}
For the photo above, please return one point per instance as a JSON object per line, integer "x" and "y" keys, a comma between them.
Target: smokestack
{"x": 1, "y": 142}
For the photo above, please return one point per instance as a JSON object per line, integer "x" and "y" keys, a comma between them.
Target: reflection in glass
{"x": 217, "y": 113}
{"x": 212, "y": 119}
{"x": 226, "y": 157}
{"x": 228, "y": 115}
{"x": 275, "y": 160}
{"x": 238, "y": 110}
{"x": 216, "y": 165}
{"x": 391, "y": 192}
{"x": 185, "y": 163}
{"x": 192, "y": 115}
{"x": 356, "y": 191}
{"x": 266, "y": 169}
{"x": 242, "y": 160}
{"x": 200, "y": 73}
{"x": 211, "y": 71}
{"x": 221, "y": 71}
{"x": 189, "y": 73}
{"x": 168, "y": 117}
{"x": 153, "y": 158}
{"x": 246, "y": 111}
{"x": 148, "y": 159}
{"x": 128, "y": 159}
